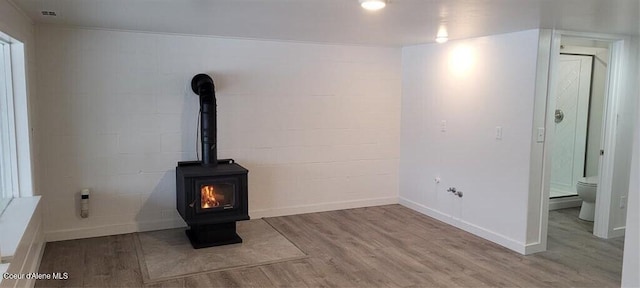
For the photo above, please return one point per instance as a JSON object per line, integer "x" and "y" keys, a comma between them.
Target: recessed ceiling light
{"x": 442, "y": 36}
{"x": 373, "y": 4}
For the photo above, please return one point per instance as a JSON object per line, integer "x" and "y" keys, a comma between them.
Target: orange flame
{"x": 208, "y": 197}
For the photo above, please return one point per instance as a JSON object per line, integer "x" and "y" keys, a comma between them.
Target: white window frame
{"x": 9, "y": 183}
{"x": 17, "y": 174}
{"x": 15, "y": 145}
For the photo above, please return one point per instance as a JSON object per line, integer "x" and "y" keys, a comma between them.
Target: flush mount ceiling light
{"x": 373, "y": 5}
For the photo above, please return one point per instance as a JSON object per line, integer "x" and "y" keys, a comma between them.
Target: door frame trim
{"x": 540, "y": 168}
{"x": 613, "y": 89}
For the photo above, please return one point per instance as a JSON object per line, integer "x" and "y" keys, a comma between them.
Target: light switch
{"x": 443, "y": 126}
{"x": 540, "y": 137}
{"x": 498, "y": 132}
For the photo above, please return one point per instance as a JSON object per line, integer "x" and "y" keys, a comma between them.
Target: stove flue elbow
{"x": 202, "y": 85}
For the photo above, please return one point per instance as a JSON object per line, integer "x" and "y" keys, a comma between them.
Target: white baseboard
{"x": 132, "y": 227}
{"x": 116, "y": 229}
{"x": 466, "y": 226}
{"x": 534, "y": 248}
{"x": 564, "y": 202}
{"x": 160, "y": 225}
{"x": 321, "y": 207}
{"x": 446, "y": 218}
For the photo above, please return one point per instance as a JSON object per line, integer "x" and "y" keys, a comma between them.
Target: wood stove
{"x": 211, "y": 195}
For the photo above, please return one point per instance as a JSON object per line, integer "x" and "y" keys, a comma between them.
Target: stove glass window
{"x": 218, "y": 195}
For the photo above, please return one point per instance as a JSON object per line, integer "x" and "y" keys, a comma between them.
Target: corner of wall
{"x": 537, "y": 214}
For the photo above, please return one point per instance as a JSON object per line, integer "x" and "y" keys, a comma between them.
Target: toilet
{"x": 587, "y": 188}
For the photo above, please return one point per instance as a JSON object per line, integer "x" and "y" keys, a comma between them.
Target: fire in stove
{"x": 209, "y": 197}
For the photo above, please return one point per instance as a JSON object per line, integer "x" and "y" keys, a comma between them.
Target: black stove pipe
{"x": 202, "y": 85}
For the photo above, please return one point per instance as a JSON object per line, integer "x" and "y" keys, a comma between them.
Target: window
{"x": 8, "y": 165}
{"x": 12, "y": 122}
{"x": 17, "y": 206}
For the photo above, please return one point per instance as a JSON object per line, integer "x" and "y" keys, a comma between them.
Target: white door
{"x": 570, "y": 136}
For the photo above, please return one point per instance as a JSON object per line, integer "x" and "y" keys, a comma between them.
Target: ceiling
{"x": 402, "y": 22}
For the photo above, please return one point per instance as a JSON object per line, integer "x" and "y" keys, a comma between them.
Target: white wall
{"x": 626, "y": 121}
{"x": 14, "y": 23}
{"x": 631, "y": 259}
{"x": 496, "y": 89}
{"x": 316, "y": 125}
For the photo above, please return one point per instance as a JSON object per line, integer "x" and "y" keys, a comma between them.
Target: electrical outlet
{"x": 623, "y": 202}
{"x": 437, "y": 179}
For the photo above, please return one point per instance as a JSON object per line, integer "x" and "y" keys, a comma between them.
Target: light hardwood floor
{"x": 385, "y": 246}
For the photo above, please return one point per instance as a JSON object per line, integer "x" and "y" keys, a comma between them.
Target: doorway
{"x": 582, "y": 72}
{"x": 582, "y": 128}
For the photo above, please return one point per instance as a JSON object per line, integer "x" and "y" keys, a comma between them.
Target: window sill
{"x": 13, "y": 224}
